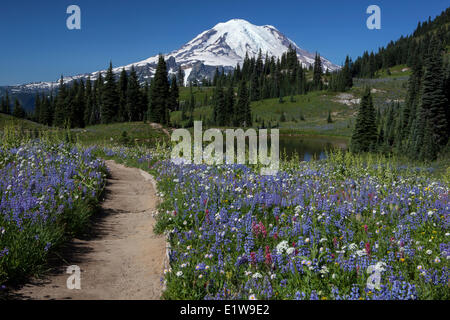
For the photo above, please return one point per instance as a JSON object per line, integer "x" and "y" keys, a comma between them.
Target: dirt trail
{"x": 123, "y": 258}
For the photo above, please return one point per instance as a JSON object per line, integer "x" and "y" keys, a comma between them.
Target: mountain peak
{"x": 227, "y": 43}
{"x": 240, "y": 23}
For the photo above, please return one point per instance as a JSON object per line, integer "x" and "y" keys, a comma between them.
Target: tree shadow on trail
{"x": 73, "y": 252}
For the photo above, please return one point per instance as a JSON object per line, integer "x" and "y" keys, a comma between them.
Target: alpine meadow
{"x": 358, "y": 208}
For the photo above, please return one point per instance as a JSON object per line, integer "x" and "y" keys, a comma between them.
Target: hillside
{"x": 407, "y": 49}
{"x": 307, "y": 114}
{"x": 8, "y": 120}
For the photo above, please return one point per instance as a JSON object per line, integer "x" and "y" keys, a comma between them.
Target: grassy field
{"x": 7, "y": 120}
{"x": 394, "y": 72}
{"x": 199, "y": 94}
{"x": 127, "y": 133}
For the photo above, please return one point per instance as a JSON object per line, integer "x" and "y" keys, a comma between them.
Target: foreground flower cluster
{"x": 47, "y": 191}
{"x": 340, "y": 228}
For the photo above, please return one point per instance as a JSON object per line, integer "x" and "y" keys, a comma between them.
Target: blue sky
{"x": 37, "y": 46}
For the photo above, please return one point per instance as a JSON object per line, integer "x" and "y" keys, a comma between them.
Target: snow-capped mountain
{"x": 225, "y": 45}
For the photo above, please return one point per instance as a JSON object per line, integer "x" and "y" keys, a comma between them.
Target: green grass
{"x": 7, "y": 120}
{"x": 111, "y": 134}
{"x": 312, "y": 107}
{"x": 198, "y": 92}
{"x": 395, "y": 71}
{"x": 385, "y": 91}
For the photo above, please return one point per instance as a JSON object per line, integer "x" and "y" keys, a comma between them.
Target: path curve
{"x": 123, "y": 258}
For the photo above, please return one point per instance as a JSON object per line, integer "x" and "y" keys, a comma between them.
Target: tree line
{"x": 267, "y": 78}
{"x": 104, "y": 99}
{"x": 16, "y": 110}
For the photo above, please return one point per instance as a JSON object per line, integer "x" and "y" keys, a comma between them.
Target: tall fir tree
{"x": 160, "y": 93}
{"x": 80, "y": 106}
{"x": 365, "y": 135}
{"x": 243, "y": 111}
{"x": 37, "y": 108}
{"x": 18, "y": 112}
{"x": 173, "y": 94}
{"x": 110, "y": 98}
{"x": 317, "y": 72}
{"x": 89, "y": 102}
{"x": 180, "y": 77}
{"x": 5, "y": 104}
{"x": 60, "y": 114}
{"x": 122, "y": 87}
{"x": 46, "y": 113}
{"x": 133, "y": 97}
{"x": 229, "y": 102}
{"x": 220, "y": 106}
{"x": 432, "y": 128}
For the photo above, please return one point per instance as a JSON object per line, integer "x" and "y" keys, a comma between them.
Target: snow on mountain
{"x": 225, "y": 45}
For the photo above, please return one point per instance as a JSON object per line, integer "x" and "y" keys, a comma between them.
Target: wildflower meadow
{"x": 347, "y": 227}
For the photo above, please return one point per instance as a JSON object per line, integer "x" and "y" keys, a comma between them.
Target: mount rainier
{"x": 223, "y": 46}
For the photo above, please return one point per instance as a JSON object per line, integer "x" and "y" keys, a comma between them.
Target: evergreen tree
{"x": 80, "y": 103}
{"x": 60, "y": 114}
{"x": 18, "y": 112}
{"x": 97, "y": 100}
{"x": 317, "y": 72}
{"x": 173, "y": 95}
{"x": 70, "y": 105}
{"x": 412, "y": 99}
{"x": 37, "y": 108}
{"x": 255, "y": 93}
{"x": 180, "y": 77}
{"x": 89, "y": 102}
{"x": 46, "y": 113}
{"x": 5, "y": 104}
{"x": 220, "y": 106}
{"x": 243, "y": 111}
{"x": 329, "y": 120}
{"x": 229, "y": 101}
{"x": 133, "y": 97}
{"x": 110, "y": 98}
{"x": 432, "y": 127}
{"x": 160, "y": 93}
{"x": 365, "y": 134}
{"x": 122, "y": 88}
{"x": 145, "y": 100}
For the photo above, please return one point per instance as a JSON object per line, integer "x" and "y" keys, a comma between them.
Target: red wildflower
{"x": 253, "y": 257}
{"x": 368, "y": 248}
{"x": 268, "y": 256}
